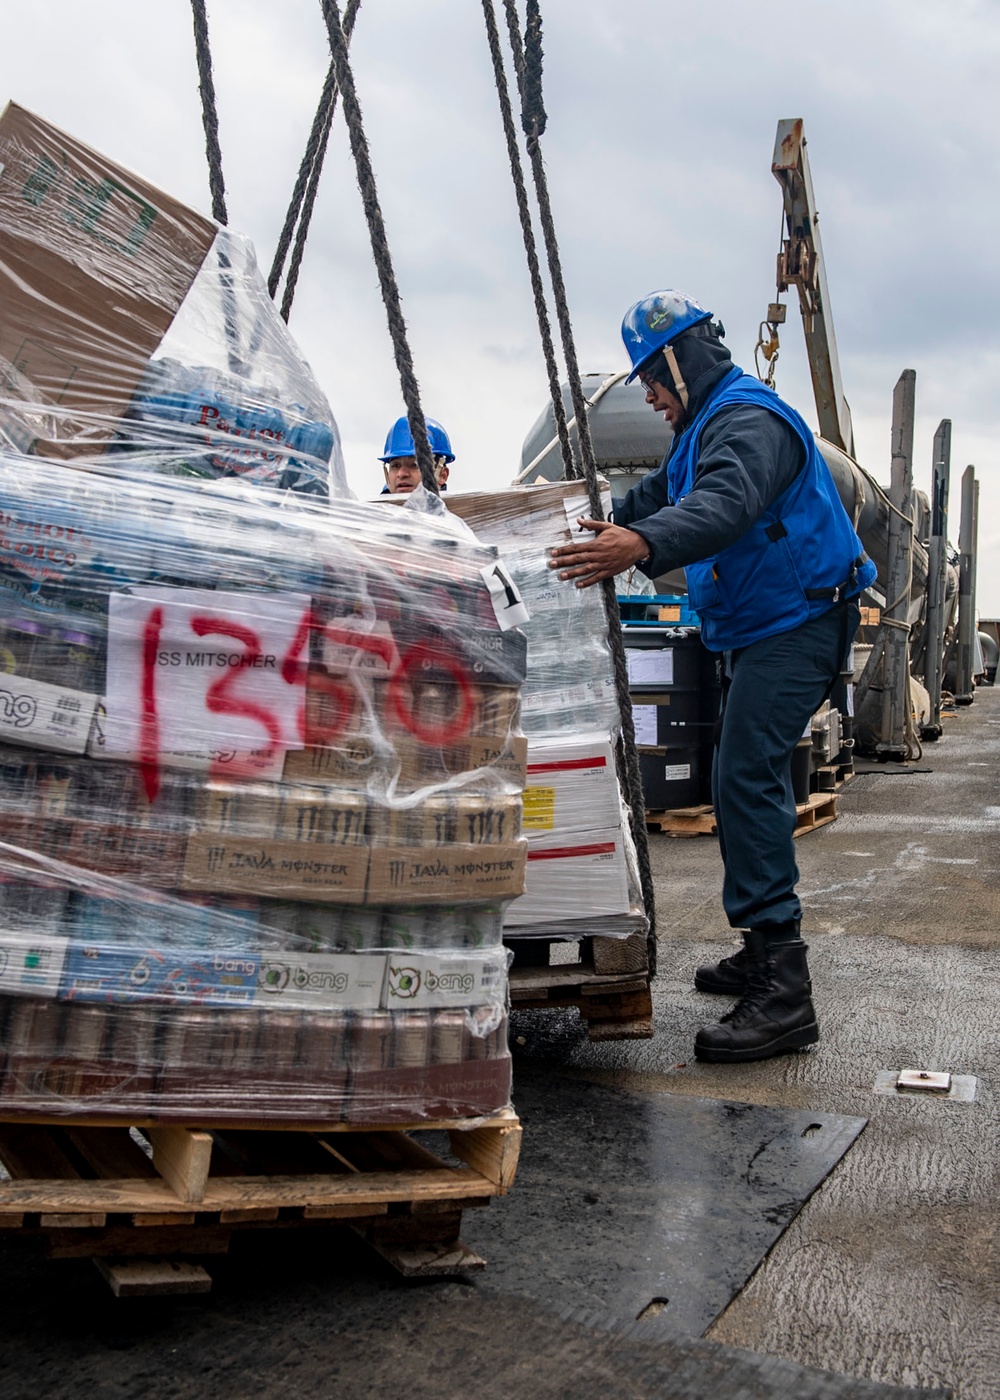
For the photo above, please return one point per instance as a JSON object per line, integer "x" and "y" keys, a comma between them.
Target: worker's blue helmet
{"x": 399, "y": 441}
{"x": 657, "y": 321}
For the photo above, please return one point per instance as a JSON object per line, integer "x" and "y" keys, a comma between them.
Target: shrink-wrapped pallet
{"x": 582, "y": 874}
{"x": 260, "y": 804}
{"x": 133, "y": 329}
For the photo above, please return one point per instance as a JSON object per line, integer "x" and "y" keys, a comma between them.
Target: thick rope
{"x": 302, "y": 232}
{"x": 570, "y": 469}
{"x": 317, "y": 139}
{"x": 528, "y": 62}
{"x": 300, "y": 206}
{"x": 216, "y": 184}
{"x": 209, "y": 114}
{"x": 380, "y": 245}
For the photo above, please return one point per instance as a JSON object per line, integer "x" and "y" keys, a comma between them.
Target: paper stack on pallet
{"x": 260, "y": 759}
{"x": 582, "y": 874}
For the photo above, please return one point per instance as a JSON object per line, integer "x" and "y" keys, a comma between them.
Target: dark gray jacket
{"x": 748, "y": 457}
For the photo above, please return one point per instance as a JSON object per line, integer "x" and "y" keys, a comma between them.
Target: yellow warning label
{"x": 539, "y": 808}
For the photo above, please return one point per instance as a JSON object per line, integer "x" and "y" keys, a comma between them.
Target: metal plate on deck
{"x": 632, "y": 1199}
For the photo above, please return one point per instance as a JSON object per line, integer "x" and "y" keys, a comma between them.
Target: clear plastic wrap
{"x": 130, "y": 325}
{"x": 260, "y": 805}
{"x": 582, "y": 873}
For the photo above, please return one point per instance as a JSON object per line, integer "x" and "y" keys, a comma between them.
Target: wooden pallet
{"x": 609, "y": 986}
{"x": 683, "y": 821}
{"x": 700, "y": 821}
{"x": 147, "y": 1205}
{"x": 818, "y": 811}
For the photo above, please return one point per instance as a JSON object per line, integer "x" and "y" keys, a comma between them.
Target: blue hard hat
{"x": 657, "y": 321}
{"x": 399, "y": 441}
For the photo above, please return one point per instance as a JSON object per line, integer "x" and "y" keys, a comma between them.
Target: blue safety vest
{"x": 795, "y": 562}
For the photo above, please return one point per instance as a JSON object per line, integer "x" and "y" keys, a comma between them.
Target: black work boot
{"x": 728, "y": 977}
{"x": 731, "y": 976}
{"x": 775, "y": 1015}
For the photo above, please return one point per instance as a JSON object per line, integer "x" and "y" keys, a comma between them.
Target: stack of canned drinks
{"x": 261, "y": 777}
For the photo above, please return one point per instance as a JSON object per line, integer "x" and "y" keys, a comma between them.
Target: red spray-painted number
{"x": 218, "y": 698}
{"x": 422, "y": 656}
{"x": 149, "y": 720}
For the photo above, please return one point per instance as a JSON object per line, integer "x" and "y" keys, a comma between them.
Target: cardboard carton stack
{"x": 260, "y": 757}
{"x": 582, "y": 875}
{"x": 260, "y": 806}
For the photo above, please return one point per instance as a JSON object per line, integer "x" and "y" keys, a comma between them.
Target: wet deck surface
{"x": 887, "y": 1279}
{"x": 892, "y": 1270}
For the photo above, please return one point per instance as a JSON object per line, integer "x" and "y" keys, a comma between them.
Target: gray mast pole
{"x": 964, "y": 693}
{"x": 896, "y": 618}
{"x": 936, "y": 577}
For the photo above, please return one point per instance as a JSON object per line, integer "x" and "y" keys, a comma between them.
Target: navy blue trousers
{"x": 774, "y": 688}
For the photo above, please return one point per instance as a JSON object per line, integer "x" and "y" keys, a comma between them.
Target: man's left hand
{"x": 612, "y": 550}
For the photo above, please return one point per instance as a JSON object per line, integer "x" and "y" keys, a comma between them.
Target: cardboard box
{"x": 572, "y": 785}
{"x": 94, "y": 263}
{"x": 45, "y": 716}
{"x": 469, "y": 1089}
{"x": 446, "y": 874}
{"x": 523, "y": 512}
{"x": 129, "y": 972}
{"x": 153, "y": 858}
{"x": 224, "y": 864}
{"x": 503, "y": 756}
{"x": 321, "y": 981}
{"x": 31, "y": 964}
{"x": 354, "y": 765}
{"x": 416, "y": 981}
{"x": 582, "y": 874}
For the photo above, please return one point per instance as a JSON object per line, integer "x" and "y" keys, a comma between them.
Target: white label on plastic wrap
{"x": 850, "y": 700}
{"x": 551, "y": 598}
{"x": 437, "y": 979}
{"x": 644, "y": 719}
{"x": 645, "y": 667}
{"x": 508, "y": 604}
{"x": 676, "y": 772}
{"x": 204, "y": 675}
{"x": 575, "y": 506}
{"x": 316, "y": 981}
{"x": 45, "y": 716}
{"x": 31, "y": 964}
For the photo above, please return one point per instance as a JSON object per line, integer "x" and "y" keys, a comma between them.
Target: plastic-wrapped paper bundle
{"x": 260, "y": 806}
{"x": 582, "y": 867}
{"x": 131, "y": 325}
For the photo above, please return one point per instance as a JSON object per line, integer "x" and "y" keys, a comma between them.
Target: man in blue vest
{"x": 745, "y": 503}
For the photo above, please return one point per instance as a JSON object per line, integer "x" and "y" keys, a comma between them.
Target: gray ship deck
{"x": 892, "y": 1269}
{"x": 887, "y": 1279}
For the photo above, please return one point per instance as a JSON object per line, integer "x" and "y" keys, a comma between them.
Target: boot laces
{"x": 759, "y": 991}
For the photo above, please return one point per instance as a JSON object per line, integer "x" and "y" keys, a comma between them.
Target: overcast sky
{"x": 661, "y": 126}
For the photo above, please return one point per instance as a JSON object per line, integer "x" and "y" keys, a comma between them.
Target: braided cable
{"x": 317, "y": 138}
{"x": 209, "y": 113}
{"x": 530, "y": 245}
{"x": 529, "y": 62}
{"x": 380, "y": 246}
{"x": 300, "y": 206}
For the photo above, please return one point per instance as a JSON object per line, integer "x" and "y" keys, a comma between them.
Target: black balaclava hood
{"x": 702, "y": 360}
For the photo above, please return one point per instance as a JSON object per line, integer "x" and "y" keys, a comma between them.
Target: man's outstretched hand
{"x": 612, "y": 550}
